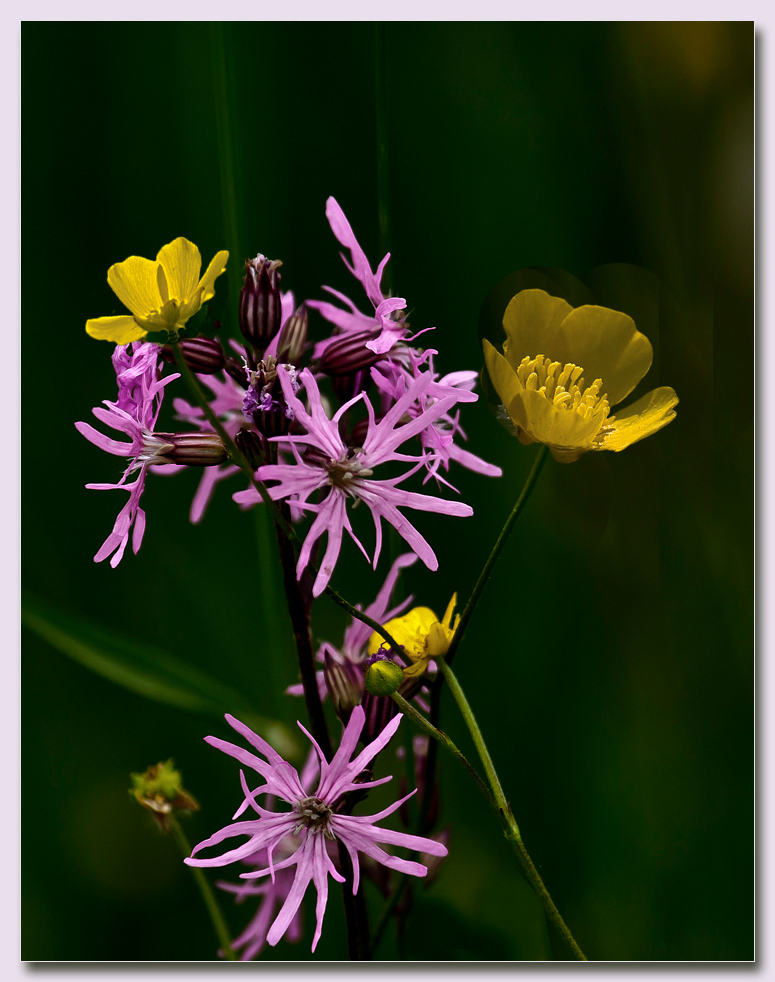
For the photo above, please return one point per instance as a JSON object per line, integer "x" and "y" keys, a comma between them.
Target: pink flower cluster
{"x": 320, "y": 461}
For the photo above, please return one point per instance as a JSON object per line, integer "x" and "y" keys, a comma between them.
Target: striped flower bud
{"x": 344, "y": 682}
{"x": 193, "y": 449}
{"x": 348, "y": 353}
{"x": 202, "y": 355}
{"x": 251, "y": 445}
{"x": 260, "y": 307}
{"x": 379, "y": 712}
{"x": 235, "y": 369}
{"x": 293, "y": 337}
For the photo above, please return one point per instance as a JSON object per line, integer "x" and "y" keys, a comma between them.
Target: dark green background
{"x": 611, "y": 660}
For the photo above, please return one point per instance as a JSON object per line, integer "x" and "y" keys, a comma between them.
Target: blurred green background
{"x": 611, "y": 660}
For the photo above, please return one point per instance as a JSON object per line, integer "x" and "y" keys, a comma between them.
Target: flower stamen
{"x": 314, "y": 816}
{"x": 563, "y": 385}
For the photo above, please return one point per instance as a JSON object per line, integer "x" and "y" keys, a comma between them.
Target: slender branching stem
{"x": 298, "y": 611}
{"x": 500, "y": 542}
{"x": 436, "y": 688}
{"x": 378, "y": 628}
{"x": 205, "y": 889}
{"x": 505, "y": 813}
{"x": 388, "y": 911}
{"x": 473, "y": 728}
{"x": 408, "y": 709}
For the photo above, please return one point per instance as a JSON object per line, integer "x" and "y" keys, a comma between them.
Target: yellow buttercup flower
{"x": 421, "y": 635}
{"x": 162, "y": 294}
{"x": 561, "y": 370}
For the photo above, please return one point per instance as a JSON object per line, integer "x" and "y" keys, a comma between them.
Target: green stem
{"x": 473, "y": 600}
{"x": 370, "y": 622}
{"x": 208, "y": 896}
{"x": 437, "y": 734}
{"x": 436, "y": 688}
{"x": 298, "y": 610}
{"x": 513, "y": 834}
{"x": 473, "y": 728}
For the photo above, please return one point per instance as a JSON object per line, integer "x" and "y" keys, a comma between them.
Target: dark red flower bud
{"x": 202, "y": 355}
{"x": 236, "y": 370}
{"x": 344, "y": 682}
{"x": 251, "y": 445}
{"x": 379, "y": 712}
{"x": 348, "y": 353}
{"x": 293, "y": 337}
{"x": 260, "y": 306}
{"x": 192, "y": 449}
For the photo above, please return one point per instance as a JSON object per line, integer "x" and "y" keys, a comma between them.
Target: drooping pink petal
{"x": 360, "y": 267}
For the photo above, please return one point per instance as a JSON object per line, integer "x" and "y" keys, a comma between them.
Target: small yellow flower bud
{"x": 383, "y": 678}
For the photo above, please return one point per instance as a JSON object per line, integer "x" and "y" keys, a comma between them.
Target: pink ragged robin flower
{"x": 324, "y": 463}
{"x": 313, "y": 818}
{"x": 385, "y": 325}
{"x": 140, "y": 393}
{"x": 396, "y": 372}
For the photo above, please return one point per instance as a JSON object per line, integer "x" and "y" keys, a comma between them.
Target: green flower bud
{"x": 383, "y": 678}
{"x": 160, "y": 790}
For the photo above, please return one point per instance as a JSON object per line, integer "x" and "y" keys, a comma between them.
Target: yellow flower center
{"x": 563, "y": 385}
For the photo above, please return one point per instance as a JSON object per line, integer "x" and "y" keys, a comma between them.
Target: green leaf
{"x": 147, "y": 671}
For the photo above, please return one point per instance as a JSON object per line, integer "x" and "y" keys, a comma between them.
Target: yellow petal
{"x": 447, "y": 618}
{"x": 438, "y": 641}
{"x": 607, "y": 345}
{"x": 531, "y": 320}
{"x": 416, "y": 669}
{"x": 644, "y": 417}
{"x": 502, "y": 375}
{"x": 181, "y": 262}
{"x": 134, "y": 283}
{"x": 566, "y": 433}
{"x": 120, "y": 330}
{"x": 409, "y": 631}
{"x": 213, "y": 271}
